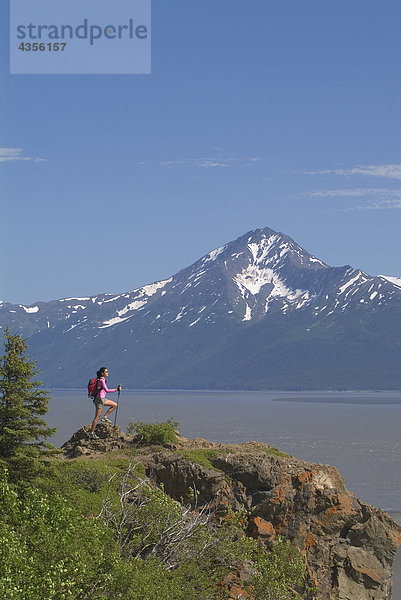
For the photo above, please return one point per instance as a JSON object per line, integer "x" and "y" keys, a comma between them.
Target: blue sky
{"x": 280, "y": 114}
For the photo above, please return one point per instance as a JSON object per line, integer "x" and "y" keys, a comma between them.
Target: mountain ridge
{"x": 261, "y": 295}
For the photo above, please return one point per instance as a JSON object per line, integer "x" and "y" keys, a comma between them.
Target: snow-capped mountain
{"x": 249, "y": 298}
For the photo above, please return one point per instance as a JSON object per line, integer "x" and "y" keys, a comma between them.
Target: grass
{"x": 263, "y": 448}
{"x": 83, "y": 481}
{"x": 205, "y": 456}
{"x": 275, "y": 452}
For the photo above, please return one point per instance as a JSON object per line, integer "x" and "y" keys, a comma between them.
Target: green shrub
{"x": 83, "y": 482}
{"x": 145, "y": 546}
{"x": 49, "y": 551}
{"x": 149, "y": 434}
{"x": 150, "y": 526}
{"x": 148, "y": 579}
{"x": 281, "y": 573}
{"x": 89, "y": 479}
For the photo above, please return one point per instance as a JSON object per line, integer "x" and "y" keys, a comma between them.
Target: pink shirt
{"x": 102, "y": 388}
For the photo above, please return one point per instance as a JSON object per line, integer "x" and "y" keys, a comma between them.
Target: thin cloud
{"x": 199, "y": 163}
{"x": 391, "y": 171}
{"x": 14, "y": 154}
{"x": 368, "y": 198}
{"x": 209, "y": 162}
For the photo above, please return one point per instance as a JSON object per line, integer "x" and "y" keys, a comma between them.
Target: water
{"x": 357, "y": 432}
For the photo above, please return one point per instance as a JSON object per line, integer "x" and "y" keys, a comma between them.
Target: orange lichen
{"x": 396, "y": 536}
{"x": 304, "y": 477}
{"x": 373, "y": 575}
{"x": 238, "y": 593}
{"x": 310, "y": 541}
{"x": 281, "y": 492}
{"x": 258, "y": 527}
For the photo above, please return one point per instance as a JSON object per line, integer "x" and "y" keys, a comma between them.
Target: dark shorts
{"x": 99, "y": 402}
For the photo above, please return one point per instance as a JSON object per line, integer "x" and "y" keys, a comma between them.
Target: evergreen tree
{"x": 22, "y": 403}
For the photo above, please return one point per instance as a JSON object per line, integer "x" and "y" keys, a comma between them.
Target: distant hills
{"x": 257, "y": 313}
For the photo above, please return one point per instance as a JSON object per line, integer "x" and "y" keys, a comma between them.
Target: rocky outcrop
{"x": 348, "y": 545}
{"x": 110, "y": 438}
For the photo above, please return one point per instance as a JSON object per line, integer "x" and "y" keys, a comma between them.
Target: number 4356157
{"x": 42, "y": 47}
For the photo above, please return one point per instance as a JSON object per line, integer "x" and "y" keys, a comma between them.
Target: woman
{"x": 101, "y": 400}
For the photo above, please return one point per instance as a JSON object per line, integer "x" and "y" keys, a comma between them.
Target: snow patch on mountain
{"x": 133, "y": 306}
{"x": 304, "y": 299}
{"x": 195, "y": 276}
{"x": 263, "y": 271}
{"x": 140, "y": 298}
{"x": 360, "y": 277}
{"x": 253, "y": 278}
{"x": 248, "y": 313}
{"x": 113, "y": 321}
{"x": 130, "y": 307}
{"x": 349, "y": 283}
{"x": 180, "y": 314}
{"x": 314, "y": 259}
{"x": 75, "y": 298}
{"x": 115, "y": 298}
{"x": 260, "y": 251}
{"x": 394, "y": 280}
{"x": 152, "y": 288}
{"x": 213, "y": 254}
{"x": 29, "y": 309}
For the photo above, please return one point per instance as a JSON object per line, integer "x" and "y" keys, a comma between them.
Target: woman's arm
{"x": 105, "y": 388}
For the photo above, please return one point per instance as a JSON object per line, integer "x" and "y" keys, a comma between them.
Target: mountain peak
{"x": 267, "y": 244}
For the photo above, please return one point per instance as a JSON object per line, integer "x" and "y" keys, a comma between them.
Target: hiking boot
{"x": 93, "y": 436}
{"x": 105, "y": 420}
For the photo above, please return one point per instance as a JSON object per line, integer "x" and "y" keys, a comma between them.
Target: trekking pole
{"x": 118, "y": 402}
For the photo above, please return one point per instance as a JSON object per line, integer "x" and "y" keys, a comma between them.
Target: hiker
{"x": 100, "y": 400}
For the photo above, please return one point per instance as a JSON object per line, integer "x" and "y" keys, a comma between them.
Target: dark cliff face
{"x": 349, "y": 546}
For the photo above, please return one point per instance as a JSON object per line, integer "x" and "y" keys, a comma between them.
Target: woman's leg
{"x": 112, "y": 404}
{"x": 98, "y": 412}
